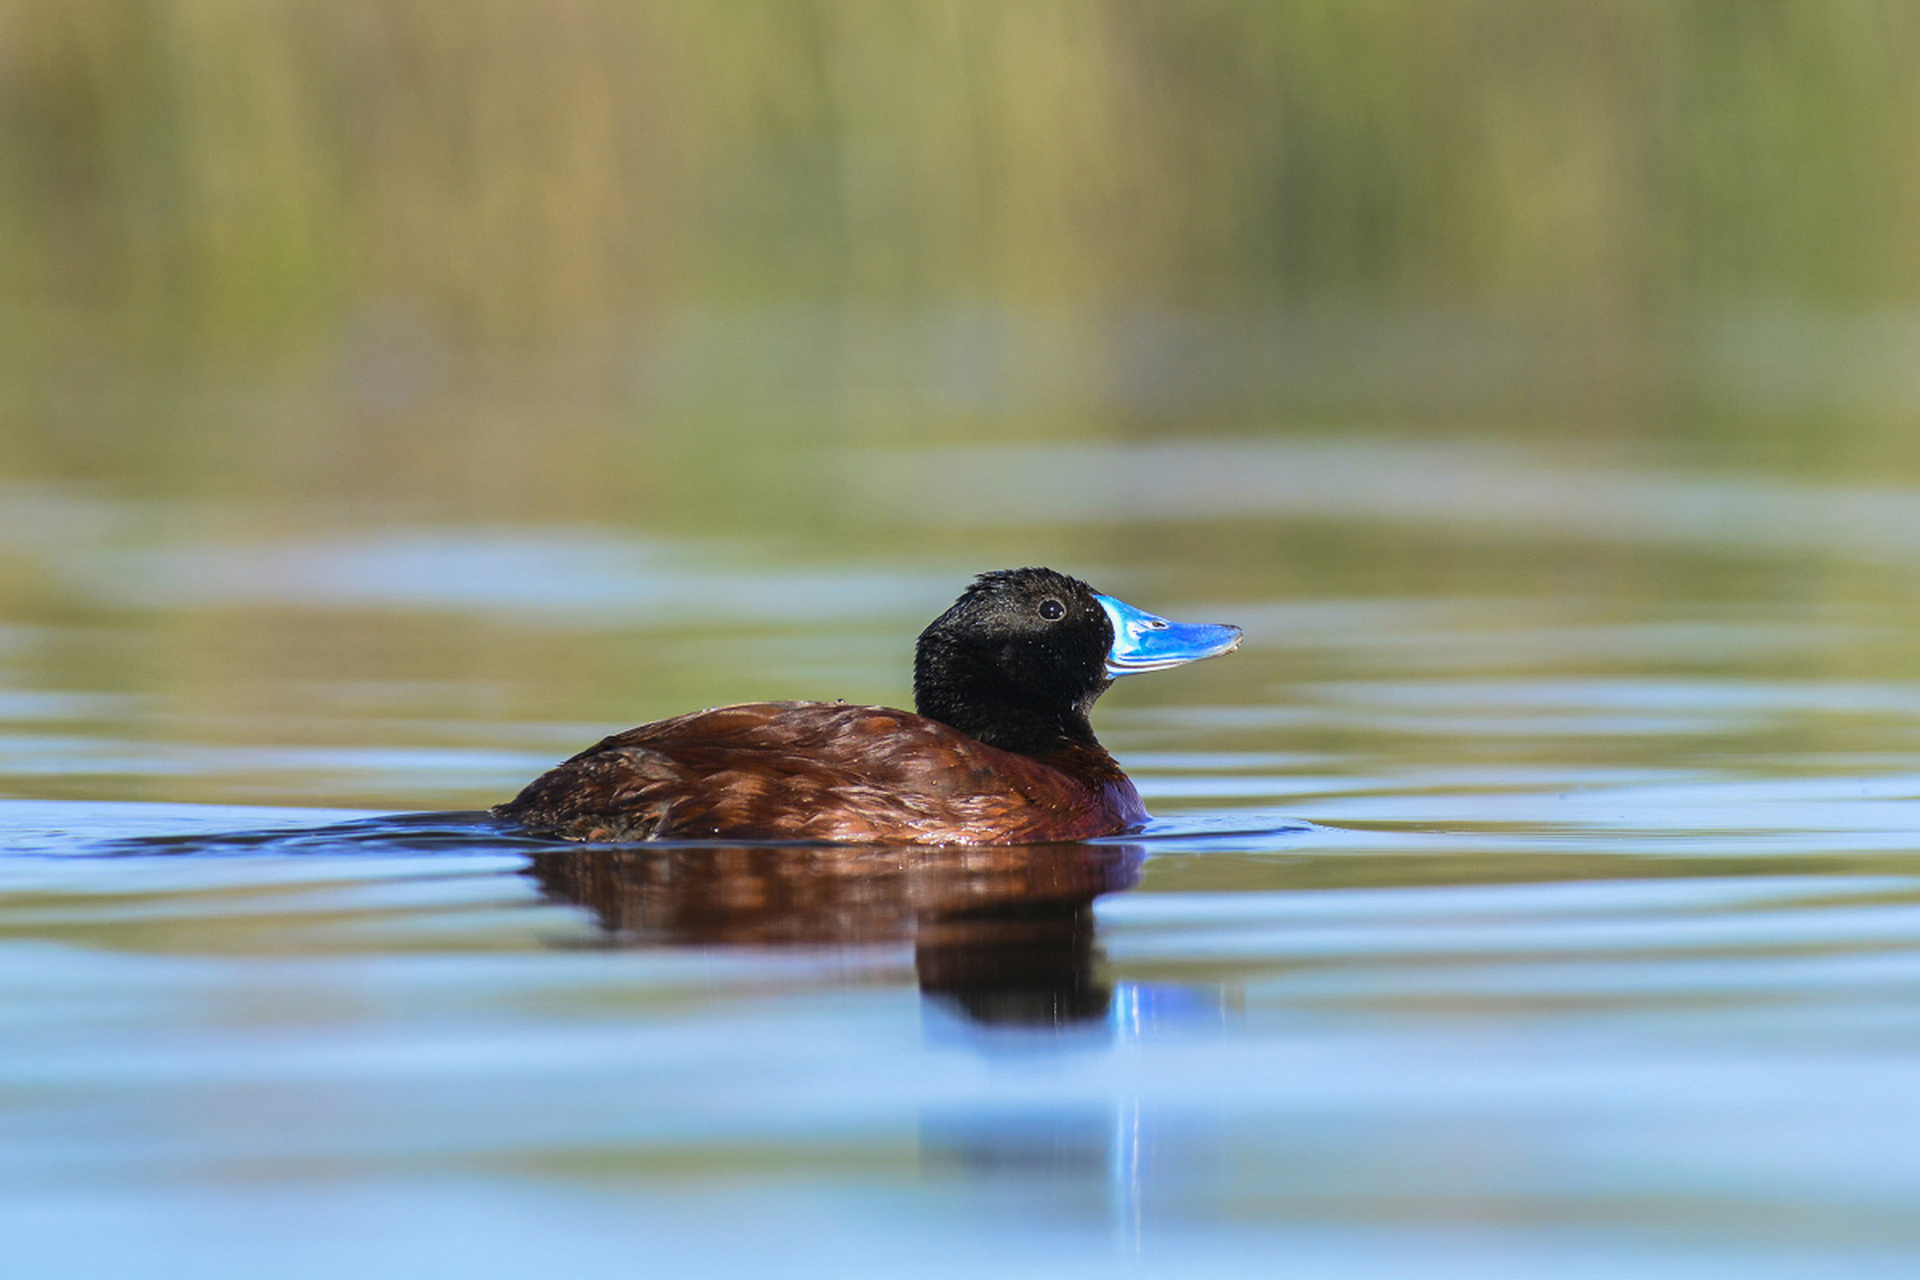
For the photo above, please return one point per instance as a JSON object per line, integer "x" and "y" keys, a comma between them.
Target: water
{"x": 1510, "y": 910}
{"x": 390, "y": 406}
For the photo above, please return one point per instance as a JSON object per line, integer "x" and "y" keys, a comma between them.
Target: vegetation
{"x": 519, "y": 166}
{"x": 342, "y": 217}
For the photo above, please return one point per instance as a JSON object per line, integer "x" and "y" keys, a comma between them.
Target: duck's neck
{"x": 1014, "y": 710}
{"x": 1023, "y": 730}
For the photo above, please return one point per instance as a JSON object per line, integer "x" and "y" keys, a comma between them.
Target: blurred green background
{"x": 744, "y": 283}
{"x": 506, "y": 257}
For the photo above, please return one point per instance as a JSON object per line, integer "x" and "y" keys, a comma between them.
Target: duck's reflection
{"x": 1004, "y": 936}
{"x": 1003, "y": 939}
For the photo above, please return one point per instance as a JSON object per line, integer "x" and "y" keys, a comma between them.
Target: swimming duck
{"x": 1001, "y": 750}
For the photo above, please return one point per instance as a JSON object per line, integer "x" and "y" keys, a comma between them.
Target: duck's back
{"x": 823, "y": 771}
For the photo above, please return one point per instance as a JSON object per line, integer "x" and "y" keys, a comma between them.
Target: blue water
{"x": 1503, "y": 917}
{"x": 308, "y": 1043}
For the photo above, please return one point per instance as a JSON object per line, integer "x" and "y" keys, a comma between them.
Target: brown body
{"x": 825, "y": 771}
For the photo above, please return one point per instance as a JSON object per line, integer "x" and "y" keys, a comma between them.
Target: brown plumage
{"x": 1002, "y": 751}
{"x": 824, "y": 771}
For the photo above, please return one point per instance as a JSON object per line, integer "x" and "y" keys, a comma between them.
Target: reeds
{"x": 521, "y": 169}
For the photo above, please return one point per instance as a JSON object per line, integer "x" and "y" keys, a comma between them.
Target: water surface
{"x": 1505, "y": 914}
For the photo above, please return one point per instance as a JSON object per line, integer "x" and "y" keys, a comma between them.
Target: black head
{"x": 1017, "y": 661}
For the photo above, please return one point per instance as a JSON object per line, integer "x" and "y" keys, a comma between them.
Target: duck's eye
{"x": 1052, "y": 610}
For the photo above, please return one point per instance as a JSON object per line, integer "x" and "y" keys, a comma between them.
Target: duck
{"x": 998, "y": 750}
